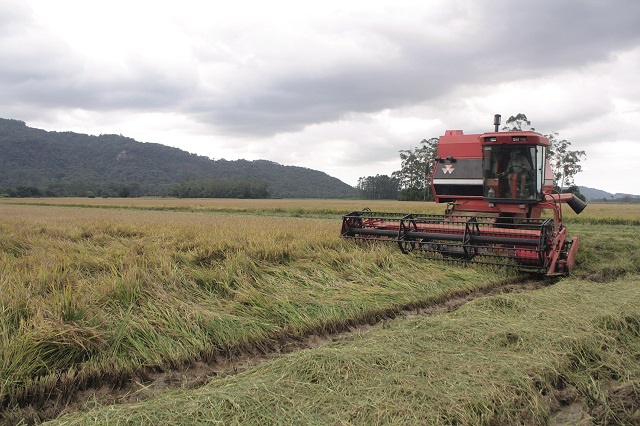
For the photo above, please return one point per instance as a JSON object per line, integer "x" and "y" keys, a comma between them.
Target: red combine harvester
{"x": 496, "y": 186}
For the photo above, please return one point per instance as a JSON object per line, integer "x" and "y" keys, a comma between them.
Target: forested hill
{"x": 72, "y": 164}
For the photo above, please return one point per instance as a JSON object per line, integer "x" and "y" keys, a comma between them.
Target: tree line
{"x": 192, "y": 188}
{"x": 413, "y": 181}
{"x": 221, "y": 188}
{"x": 74, "y": 189}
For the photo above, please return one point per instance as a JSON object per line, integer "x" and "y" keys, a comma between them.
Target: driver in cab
{"x": 518, "y": 169}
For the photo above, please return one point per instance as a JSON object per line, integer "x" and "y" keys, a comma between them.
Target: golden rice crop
{"x": 605, "y": 214}
{"x": 288, "y": 206}
{"x": 98, "y": 292}
{"x": 508, "y": 359}
{"x": 94, "y": 290}
{"x": 595, "y": 213}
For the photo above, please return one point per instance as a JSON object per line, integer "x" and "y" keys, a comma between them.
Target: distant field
{"x": 97, "y": 290}
{"x": 273, "y": 206}
{"x": 619, "y": 213}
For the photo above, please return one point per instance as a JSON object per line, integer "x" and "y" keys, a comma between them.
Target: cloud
{"x": 390, "y": 65}
{"x": 338, "y": 86}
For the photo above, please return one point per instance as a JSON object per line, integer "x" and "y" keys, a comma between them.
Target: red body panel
{"x": 458, "y": 145}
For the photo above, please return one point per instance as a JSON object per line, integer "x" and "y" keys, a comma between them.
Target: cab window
{"x": 513, "y": 171}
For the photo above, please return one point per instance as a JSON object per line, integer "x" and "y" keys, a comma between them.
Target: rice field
{"x": 98, "y": 291}
{"x": 558, "y": 356}
{"x": 595, "y": 213}
{"x": 286, "y": 207}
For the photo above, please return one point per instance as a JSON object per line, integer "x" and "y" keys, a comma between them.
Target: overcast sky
{"x": 337, "y": 86}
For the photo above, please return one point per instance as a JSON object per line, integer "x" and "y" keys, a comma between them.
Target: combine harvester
{"x": 496, "y": 186}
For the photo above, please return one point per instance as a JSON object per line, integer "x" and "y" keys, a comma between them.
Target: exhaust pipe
{"x": 496, "y": 121}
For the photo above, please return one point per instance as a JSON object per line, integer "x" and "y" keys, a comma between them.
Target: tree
{"x": 378, "y": 187}
{"x": 221, "y": 188}
{"x": 515, "y": 123}
{"x": 414, "y": 175}
{"x": 565, "y": 163}
{"x": 576, "y": 191}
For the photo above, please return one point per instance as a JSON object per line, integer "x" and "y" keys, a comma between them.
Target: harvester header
{"x": 496, "y": 186}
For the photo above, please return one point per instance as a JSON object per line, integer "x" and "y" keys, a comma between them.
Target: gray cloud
{"x": 504, "y": 43}
{"x": 498, "y": 41}
{"x": 249, "y": 77}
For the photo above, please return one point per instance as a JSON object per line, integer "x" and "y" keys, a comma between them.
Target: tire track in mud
{"x": 152, "y": 381}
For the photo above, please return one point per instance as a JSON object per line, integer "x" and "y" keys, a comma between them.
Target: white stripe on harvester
{"x": 457, "y": 181}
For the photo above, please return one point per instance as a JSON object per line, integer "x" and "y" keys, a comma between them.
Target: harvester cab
{"x": 513, "y": 171}
{"x": 496, "y": 186}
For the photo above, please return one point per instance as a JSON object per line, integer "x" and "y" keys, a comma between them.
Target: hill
{"x": 593, "y": 194}
{"x": 36, "y": 161}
